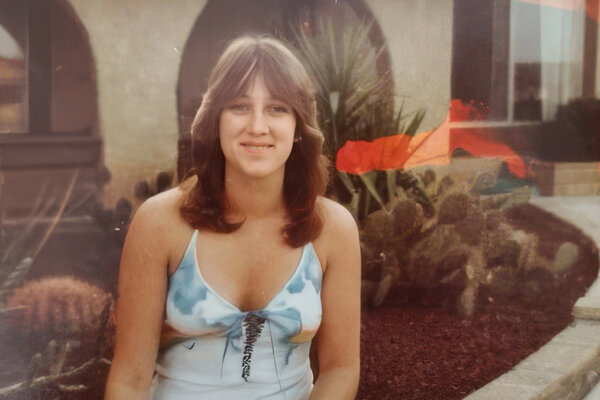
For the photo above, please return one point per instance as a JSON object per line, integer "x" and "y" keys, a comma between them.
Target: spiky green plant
{"x": 57, "y": 307}
{"x": 408, "y": 218}
{"x": 428, "y": 177}
{"x": 454, "y": 208}
{"x": 378, "y": 228}
{"x": 493, "y": 219}
{"x": 436, "y": 256}
{"x": 468, "y": 244}
{"x": 354, "y": 99}
{"x": 472, "y": 226}
{"x": 65, "y": 359}
{"x": 351, "y": 97}
{"x": 18, "y": 255}
{"x": 499, "y": 249}
{"x": 528, "y": 257}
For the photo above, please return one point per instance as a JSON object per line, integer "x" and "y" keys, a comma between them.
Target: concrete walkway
{"x": 567, "y": 367}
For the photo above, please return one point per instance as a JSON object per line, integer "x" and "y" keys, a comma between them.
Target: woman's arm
{"x": 338, "y": 341}
{"x": 139, "y": 312}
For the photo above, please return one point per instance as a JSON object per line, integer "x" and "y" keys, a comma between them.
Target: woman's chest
{"x": 247, "y": 270}
{"x": 196, "y": 305}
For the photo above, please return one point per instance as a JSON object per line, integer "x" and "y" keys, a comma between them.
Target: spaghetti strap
{"x": 188, "y": 254}
{"x": 224, "y": 352}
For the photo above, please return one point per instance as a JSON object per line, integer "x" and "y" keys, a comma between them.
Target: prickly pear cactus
{"x": 454, "y": 208}
{"x": 436, "y": 256}
{"x": 467, "y": 243}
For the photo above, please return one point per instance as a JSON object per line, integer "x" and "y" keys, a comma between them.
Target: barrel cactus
{"x": 58, "y": 307}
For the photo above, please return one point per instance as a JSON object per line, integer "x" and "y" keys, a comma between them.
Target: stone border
{"x": 567, "y": 367}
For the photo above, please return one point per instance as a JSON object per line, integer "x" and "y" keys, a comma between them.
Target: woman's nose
{"x": 258, "y": 123}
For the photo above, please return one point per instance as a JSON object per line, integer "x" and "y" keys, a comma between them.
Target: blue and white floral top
{"x": 226, "y": 353}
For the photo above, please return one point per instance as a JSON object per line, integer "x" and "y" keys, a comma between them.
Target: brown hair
{"x": 306, "y": 170}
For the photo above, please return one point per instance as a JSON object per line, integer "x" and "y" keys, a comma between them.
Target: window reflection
{"x": 518, "y": 59}
{"x": 13, "y": 72}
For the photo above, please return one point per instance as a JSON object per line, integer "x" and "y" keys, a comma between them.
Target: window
{"x": 13, "y": 73}
{"x": 48, "y": 102}
{"x": 46, "y": 70}
{"x": 519, "y": 60}
{"x": 212, "y": 32}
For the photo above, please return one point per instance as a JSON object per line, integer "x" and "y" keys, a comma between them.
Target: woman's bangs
{"x": 237, "y": 80}
{"x": 281, "y": 84}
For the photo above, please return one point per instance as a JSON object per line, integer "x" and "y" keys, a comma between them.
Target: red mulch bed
{"x": 412, "y": 351}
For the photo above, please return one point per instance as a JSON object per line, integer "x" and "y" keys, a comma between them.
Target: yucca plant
{"x": 355, "y": 102}
{"x": 17, "y": 256}
{"x": 62, "y": 325}
{"x": 342, "y": 61}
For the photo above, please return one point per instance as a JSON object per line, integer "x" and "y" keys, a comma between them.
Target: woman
{"x": 246, "y": 265}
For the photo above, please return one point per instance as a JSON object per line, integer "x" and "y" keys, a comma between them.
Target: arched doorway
{"x": 51, "y": 152}
{"x": 223, "y": 20}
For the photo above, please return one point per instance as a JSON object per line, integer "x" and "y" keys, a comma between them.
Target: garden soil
{"x": 415, "y": 346}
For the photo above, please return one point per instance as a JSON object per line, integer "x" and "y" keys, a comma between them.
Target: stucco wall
{"x": 419, "y": 36}
{"x": 136, "y": 45}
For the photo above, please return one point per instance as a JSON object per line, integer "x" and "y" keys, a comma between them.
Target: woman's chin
{"x": 261, "y": 175}
{"x": 260, "y": 172}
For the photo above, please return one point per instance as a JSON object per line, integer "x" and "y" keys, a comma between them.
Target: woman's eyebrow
{"x": 277, "y": 99}
{"x": 268, "y": 98}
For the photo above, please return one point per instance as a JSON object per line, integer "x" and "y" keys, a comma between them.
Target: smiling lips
{"x": 256, "y": 147}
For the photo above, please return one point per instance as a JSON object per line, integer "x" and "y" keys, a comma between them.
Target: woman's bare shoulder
{"x": 160, "y": 213}
{"x": 339, "y": 229}
{"x": 336, "y": 218}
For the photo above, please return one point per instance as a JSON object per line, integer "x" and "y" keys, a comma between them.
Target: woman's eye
{"x": 238, "y": 107}
{"x": 279, "y": 109}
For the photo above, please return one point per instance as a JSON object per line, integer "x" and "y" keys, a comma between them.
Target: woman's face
{"x": 256, "y": 133}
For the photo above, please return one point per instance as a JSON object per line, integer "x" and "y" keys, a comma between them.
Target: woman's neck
{"x": 254, "y": 198}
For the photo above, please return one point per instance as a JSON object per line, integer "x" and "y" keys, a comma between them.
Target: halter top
{"x": 226, "y": 353}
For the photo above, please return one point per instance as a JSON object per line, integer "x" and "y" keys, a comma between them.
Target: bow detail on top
{"x": 250, "y": 324}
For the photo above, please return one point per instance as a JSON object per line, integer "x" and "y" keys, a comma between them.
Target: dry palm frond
{"x": 19, "y": 264}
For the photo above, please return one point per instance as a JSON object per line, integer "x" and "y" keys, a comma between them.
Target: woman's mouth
{"x": 256, "y": 147}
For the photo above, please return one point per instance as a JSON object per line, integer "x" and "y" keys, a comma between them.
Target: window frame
{"x": 502, "y": 91}
{"x": 39, "y": 146}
